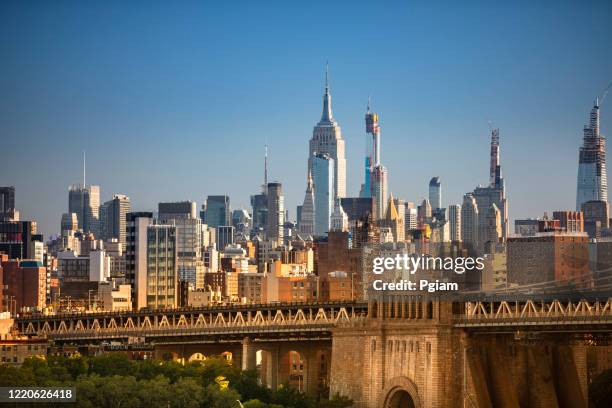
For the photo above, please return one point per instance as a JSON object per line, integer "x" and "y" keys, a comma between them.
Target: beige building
{"x": 114, "y": 297}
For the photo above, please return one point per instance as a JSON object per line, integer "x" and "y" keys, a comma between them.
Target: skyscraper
{"x": 592, "y": 175}
{"x": 494, "y": 166}
{"x": 84, "y": 201}
{"x": 177, "y": 210}
{"x": 324, "y": 179}
{"x": 493, "y": 230}
{"x": 454, "y": 218}
{"x": 327, "y": 139}
{"x": 136, "y": 256}
{"x": 218, "y": 210}
{"x": 189, "y": 240}
{"x": 112, "y": 218}
{"x": 275, "y": 213}
{"x": 7, "y": 204}
{"x": 435, "y": 193}
{"x": 379, "y": 191}
{"x": 69, "y": 222}
{"x": 495, "y": 193}
{"x": 307, "y": 213}
{"x": 162, "y": 272}
{"x": 372, "y": 150}
{"x": 469, "y": 221}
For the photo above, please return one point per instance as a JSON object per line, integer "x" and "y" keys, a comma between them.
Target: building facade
{"x": 592, "y": 174}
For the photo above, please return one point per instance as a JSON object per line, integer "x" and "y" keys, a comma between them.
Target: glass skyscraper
{"x": 592, "y": 175}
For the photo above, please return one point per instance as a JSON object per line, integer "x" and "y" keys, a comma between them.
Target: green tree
{"x": 187, "y": 393}
{"x": 110, "y": 364}
{"x": 217, "y": 398}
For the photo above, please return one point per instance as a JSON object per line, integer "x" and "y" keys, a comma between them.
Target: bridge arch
{"x": 197, "y": 357}
{"x": 400, "y": 392}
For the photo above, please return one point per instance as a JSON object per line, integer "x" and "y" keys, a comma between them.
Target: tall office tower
{"x": 592, "y": 175}
{"x": 372, "y": 150}
{"x": 112, "y": 218}
{"x": 307, "y": 213}
{"x": 276, "y": 213}
{"x": 85, "y": 203}
{"x": 69, "y": 222}
{"x": 454, "y": 218}
{"x": 339, "y": 218}
{"x": 7, "y": 199}
{"x": 162, "y": 271}
{"x": 183, "y": 216}
{"x": 323, "y": 167}
{"x": 379, "y": 191}
{"x": 469, "y": 221}
{"x": 136, "y": 256}
{"x": 424, "y": 212}
{"x": 410, "y": 217}
{"x": 494, "y": 166}
{"x": 327, "y": 139}
{"x": 8, "y": 212}
{"x": 495, "y": 193}
{"x": 225, "y": 236}
{"x": 493, "y": 231}
{"x": 218, "y": 210}
{"x": 435, "y": 193}
{"x": 177, "y": 210}
{"x": 259, "y": 204}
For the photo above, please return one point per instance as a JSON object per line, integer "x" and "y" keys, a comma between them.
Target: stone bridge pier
{"x": 500, "y": 372}
{"x": 409, "y": 354}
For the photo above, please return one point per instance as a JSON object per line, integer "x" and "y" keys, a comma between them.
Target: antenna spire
{"x": 265, "y": 186}
{"x": 326, "y": 76}
{"x": 83, "y": 168}
{"x": 369, "y": 103}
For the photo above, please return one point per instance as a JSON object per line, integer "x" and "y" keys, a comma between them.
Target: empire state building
{"x": 327, "y": 139}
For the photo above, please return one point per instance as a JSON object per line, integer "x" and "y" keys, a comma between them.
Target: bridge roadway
{"x": 314, "y": 320}
{"x": 271, "y": 321}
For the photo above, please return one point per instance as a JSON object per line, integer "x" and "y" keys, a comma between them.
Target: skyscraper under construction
{"x": 592, "y": 177}
{"x": 372, "y": 152}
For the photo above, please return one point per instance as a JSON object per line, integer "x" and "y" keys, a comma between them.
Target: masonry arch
{"x": 197, "y": 357}
{"x": 400, "y": 392}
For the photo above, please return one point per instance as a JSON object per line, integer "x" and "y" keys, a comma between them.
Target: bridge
{"x": 393, "y": 351}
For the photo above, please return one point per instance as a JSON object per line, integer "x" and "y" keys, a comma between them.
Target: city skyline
{"x": 176, "y": 157}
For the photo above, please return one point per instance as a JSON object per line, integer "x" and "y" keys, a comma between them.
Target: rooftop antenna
{"x": 265, "y": 186}
{"x": 327, "y": 75}
{"x": 369, "y": 103}
{"x": 83, "y": 168}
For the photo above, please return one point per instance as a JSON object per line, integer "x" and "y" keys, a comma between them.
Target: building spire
{"x": 327, "y": 117}
{"x": 265, "y": 186}
{"x": 83, "y": 168}
{"x": 326, "y": 77}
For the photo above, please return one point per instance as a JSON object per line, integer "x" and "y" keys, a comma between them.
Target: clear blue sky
{"x": 174, "y": 100}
